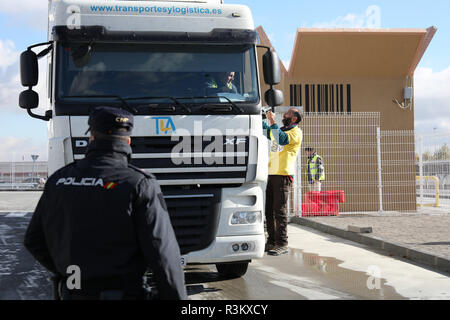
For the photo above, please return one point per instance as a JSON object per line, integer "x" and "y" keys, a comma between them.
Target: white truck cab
{"x": 165, "y": 62}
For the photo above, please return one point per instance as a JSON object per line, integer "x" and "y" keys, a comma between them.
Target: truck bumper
{"x": 221, "y": 250}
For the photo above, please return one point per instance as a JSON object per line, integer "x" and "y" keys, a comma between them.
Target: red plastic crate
{"x": 324, "y": 203}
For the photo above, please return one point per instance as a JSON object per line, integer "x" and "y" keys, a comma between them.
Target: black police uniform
{"x": 109, "y": 219}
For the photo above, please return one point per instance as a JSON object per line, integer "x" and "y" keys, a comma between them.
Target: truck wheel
{"x": 232, "y": 270}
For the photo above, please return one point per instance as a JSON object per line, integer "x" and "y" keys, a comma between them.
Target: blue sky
{"x": 24, "y": 22}
{"x": 283, "y": 19}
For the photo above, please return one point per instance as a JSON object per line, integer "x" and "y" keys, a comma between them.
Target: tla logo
{"x": 164, "y": 125}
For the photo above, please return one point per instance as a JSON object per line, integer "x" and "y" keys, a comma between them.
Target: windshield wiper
{"x": 233, "y": 105}
{"x": 132, "y": 109}
{"x": 160, "y": 107}
{"x": 177, "y": 103}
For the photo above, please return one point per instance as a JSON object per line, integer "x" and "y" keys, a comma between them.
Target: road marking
{"x": 16, "y": 215}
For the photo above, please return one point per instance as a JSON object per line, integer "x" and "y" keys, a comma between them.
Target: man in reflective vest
{"x": 224, "y": 83}
{"x": 315, "y": 170}
{"x": 285, "y": 144}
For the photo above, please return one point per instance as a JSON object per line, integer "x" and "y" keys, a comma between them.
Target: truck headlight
{"x": 250, "y": 217}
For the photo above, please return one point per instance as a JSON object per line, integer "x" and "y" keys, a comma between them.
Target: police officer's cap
{"x": 110, "y": 120}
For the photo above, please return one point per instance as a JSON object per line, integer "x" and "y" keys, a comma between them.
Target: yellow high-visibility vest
{"x": 282, "y": 158}
{"x": 311, "y": 169}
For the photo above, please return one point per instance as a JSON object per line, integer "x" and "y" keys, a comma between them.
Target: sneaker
{"x": 277, "y": 251}
{"x": 269, "y": 247}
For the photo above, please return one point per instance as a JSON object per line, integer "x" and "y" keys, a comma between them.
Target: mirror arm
{"x": 40, "y": 44}
{"x": 264, "y": 47}
{"x": 44, "y": 52}
{"x": 47, "y": 116}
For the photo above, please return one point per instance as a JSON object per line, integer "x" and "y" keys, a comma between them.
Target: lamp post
{"x": 34, "y": 157}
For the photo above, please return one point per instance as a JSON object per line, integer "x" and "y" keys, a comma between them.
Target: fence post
{"x": 297, "y": 187}
{"x": 380, "y": 178}
{"x": 421, "y": 168}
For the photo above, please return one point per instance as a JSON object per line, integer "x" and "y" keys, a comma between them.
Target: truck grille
{"x": 193, "y": 203}
{"x": 197, "y": 162}
{"x": 194, "y": 216}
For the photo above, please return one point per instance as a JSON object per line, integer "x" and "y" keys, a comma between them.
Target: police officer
{"x": 315, "y": 170}
{"x": 107, "y": 219}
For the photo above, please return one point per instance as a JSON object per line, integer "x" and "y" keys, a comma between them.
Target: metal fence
{"x": 348, "y": 145}
{"x": 22, "y": 175}
{"x": 367, "y": 170}
{"x": 433, "y": 169}
{"x": 398, "y": 179}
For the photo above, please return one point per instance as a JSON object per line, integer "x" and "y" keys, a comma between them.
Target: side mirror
{"x": 28, "y": 99}
{"x": 29, "y": 70}
{"x": 274, "y": 97}
{"x": 29, "y": 76}
{"x": 271, "y": 68}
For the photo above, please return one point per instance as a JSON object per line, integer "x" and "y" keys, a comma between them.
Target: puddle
{"x": 326, "y": 273}
{"x": 294, "y": 276}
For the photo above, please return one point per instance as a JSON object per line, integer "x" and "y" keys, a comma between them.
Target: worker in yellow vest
{"x": 223, "y": 83}
{"x": 315, "y": 170}
{"x": 285, "y": 145}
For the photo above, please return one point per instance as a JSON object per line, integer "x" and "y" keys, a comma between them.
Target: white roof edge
{"x": 138, "y": 16}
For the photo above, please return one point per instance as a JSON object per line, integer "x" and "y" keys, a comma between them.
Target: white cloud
{"x": 432, "y": 100}
{"x": 9, "y": 75}
{"x": 32, "y": 12}
{"x": 371, "y": 18}
{"x": 10, "y": 85}
{"x": 8, "y": 54}
{"x": 349, "y": 21}
{"x": 16, "y": 149}
{"x": 23, "y": 5}
{"x": 10, "y": 88}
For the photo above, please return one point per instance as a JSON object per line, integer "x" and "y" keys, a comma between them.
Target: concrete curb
{"x": 438, "y": 262}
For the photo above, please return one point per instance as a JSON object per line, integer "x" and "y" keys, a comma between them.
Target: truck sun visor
{"x": 100, "y": 33}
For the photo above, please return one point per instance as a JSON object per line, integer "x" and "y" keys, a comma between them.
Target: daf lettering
{"x": 81, "y": 143}
{"x": 234, "y": 141}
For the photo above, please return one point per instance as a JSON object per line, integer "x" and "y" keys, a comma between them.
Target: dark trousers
{"x": 127, "y": 287}
{"x": 101, "y": 294}
{"x": 277, "y": 194}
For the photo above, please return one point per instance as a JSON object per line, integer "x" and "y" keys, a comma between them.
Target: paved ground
{"x": 318, "y": 266}
{"x": 21, "y": 277}
{"x": 19, "y": 201}
{"x": 428, "y": 231}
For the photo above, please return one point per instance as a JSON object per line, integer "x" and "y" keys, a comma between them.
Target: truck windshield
{"x": 185, "y": 71}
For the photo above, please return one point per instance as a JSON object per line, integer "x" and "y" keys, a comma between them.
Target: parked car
{"x": 36, "y": 182}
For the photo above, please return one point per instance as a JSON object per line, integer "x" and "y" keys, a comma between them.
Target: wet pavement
{"x": 317, "y": 267}
{"x": 294, "y": 276}
{"x": 21, "y": 277}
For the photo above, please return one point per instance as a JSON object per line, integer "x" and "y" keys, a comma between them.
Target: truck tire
{"x": 232, "y": 270}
